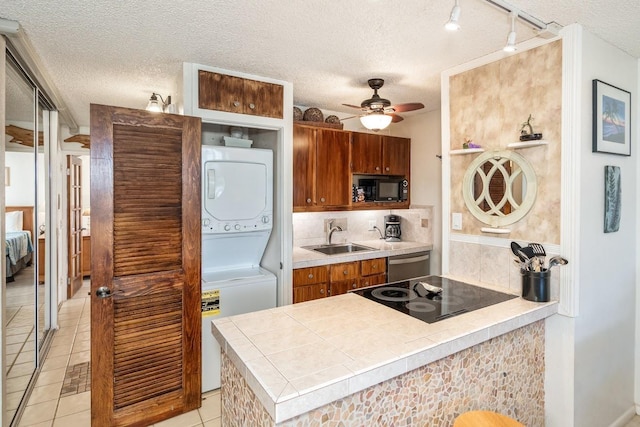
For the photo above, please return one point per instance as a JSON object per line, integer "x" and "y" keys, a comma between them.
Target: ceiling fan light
{"x": 375, "y": 121}
{"x": 453, "y": 24}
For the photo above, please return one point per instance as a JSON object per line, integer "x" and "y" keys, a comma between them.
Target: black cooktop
{"x": 433, "y": 298}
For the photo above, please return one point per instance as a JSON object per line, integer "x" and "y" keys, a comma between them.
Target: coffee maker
{"x": 392, "y": 228}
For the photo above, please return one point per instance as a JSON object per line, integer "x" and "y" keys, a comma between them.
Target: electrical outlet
{"x": 372, "y": 223}
{"x": 456, "y": 221}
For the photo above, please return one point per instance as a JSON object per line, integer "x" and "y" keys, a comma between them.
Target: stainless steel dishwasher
{"x": 408, "y": 266}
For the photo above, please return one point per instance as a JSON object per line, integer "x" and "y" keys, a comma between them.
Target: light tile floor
{"x": 71, "y": 346}
{"x": 19, "y": 330}
{"x": 635, "y": 422}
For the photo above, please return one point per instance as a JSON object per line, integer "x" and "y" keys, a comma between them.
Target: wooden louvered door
{"x": 145, "y": 266}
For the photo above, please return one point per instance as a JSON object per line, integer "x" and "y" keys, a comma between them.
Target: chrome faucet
{"x": 331, "y": 231}
{"x": 379, "y": 231}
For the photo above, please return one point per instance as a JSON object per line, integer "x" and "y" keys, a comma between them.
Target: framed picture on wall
{"x": 611, "y": 119}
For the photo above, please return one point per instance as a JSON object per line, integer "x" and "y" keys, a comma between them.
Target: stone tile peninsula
{"x": 349, "y": 359}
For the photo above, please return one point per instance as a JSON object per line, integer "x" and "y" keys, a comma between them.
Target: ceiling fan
{"x": 378, "y": 112}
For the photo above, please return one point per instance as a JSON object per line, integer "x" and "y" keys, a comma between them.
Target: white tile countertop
{"x": 299, "y": 357}
{"x": 308, "y": 258}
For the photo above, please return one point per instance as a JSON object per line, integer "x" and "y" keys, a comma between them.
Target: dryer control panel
{"x": 214, "y": 226}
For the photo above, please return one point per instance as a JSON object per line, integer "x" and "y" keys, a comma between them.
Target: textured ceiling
{"x": 117, "y": 52}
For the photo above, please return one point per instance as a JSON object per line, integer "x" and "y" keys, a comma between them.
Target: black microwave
{"x": 385, "y": 189}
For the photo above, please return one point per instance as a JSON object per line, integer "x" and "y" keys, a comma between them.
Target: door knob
{"x": 103, "y": 292}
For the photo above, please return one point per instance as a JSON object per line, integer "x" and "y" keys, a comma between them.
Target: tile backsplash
{"x": 416, "y": 224}
{"x": 492, "y": 265}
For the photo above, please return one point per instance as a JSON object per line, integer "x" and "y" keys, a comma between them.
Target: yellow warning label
{"x": 211, "y": 303}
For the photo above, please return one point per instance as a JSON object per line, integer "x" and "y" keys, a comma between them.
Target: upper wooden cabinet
{"x": 237, "y": 95}
{"x": 380, "y": 154}
{"x": 321, "y": 177}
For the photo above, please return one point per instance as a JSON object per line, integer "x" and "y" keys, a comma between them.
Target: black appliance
{"x": 369, "y": 189}
{"x": 385, "y": 189}
{"x": 433, "y": 298}
{"x": 392, "y": 231}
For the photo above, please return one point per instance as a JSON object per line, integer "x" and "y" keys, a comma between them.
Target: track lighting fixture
{"x": 453, "y": 24}
{"x": 156, "y": 106}
{"x": 511, "y": 38}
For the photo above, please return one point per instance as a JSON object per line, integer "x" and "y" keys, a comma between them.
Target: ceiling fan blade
{"x": 395, "y": 118}
{"x": 409, "y": 106}
{"x": 347, "y": 118}
{"x": 353, "y": 106}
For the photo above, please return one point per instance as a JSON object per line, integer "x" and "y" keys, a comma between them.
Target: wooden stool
{"x": 485, "y": 419}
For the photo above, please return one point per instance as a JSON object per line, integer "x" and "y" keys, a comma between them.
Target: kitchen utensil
{"x": 535, "y": 264}
{"x": 538, "y": 251}
{"x": 515, "y": 247}
{"x": 557, "y": 260}
{"x": 526, "y": 252}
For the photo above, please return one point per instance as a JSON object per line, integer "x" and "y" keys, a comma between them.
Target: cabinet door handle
{"x": 322, "y": 291}
{"x": 345, "y": 272}
{"x": 252, "y": 106}
{"x": 373, "y": 267}
{"x": 310, "y": 276}
{"x": 354, "y": 286}
{"x": 308, "y": 200}
{"x": 236, "y": 103}
{"x": 387, "y": 168}
{"x": 322, "y": 199}
{"x": 377, "y": 168}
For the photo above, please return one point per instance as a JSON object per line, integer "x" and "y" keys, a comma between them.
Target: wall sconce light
{"x": 158, "y": 106}
{"x": 375, "y": 121}
{"x": 453, "y": 24}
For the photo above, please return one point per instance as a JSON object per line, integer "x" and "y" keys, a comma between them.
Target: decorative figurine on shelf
{"x": 524, "y": 136}
{"x": 468, "y": 143}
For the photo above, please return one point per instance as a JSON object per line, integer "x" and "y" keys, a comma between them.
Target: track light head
{"x": 511, "y": 38}
{"x": 511, "y": 42}
{"x": 453, "y": 22}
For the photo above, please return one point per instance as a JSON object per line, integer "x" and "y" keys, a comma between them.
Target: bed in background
{"x": 19, "y": 227}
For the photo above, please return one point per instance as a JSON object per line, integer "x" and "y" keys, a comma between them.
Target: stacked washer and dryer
{"x": 237, "y": 218}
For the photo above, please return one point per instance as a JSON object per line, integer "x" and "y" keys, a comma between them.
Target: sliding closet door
{"x": 21, "y": 273}
{"x": 27, "y": 288}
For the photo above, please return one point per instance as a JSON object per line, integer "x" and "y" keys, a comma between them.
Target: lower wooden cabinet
{"x": 310, "y": 283}
{"x": 309, "y": 292}
{"x": 335, "y": 279}
{"x": 376, "y": 279}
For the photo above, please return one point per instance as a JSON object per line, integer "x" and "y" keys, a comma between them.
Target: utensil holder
{"x": 536, "y": 285}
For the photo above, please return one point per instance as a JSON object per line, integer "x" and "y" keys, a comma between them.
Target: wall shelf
{"x": 527, "y": 144}
{"x": 466, "y": 151}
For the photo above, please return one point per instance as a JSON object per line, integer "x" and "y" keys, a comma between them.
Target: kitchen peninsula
{"x": 349, "y": 359}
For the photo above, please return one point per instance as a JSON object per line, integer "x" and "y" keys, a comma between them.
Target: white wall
{"x": 21, "y": 192}
{"x": 636, "y": 117}
{"x": 605, "y": 327}
{"x": 426, "y": 171}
